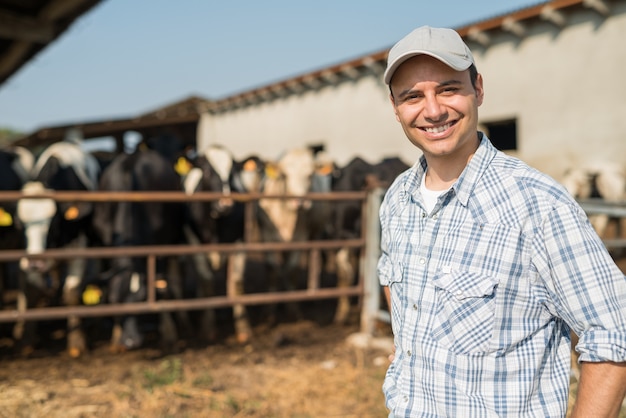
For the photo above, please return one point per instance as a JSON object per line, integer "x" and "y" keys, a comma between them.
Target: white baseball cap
{"x": 442, "y": 43}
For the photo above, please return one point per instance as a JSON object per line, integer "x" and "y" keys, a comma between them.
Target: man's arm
{"x": 601, "y": 390}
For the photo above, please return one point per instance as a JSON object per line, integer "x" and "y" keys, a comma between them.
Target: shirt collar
{"x": 466, "y": 182}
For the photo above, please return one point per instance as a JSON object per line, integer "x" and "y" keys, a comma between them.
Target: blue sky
{"x": 127, "y": 57}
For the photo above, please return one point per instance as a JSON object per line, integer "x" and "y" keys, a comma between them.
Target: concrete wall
{"x": 566, "y": 87}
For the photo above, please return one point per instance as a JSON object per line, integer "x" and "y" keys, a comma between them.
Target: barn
{"x": 546, "y": 69}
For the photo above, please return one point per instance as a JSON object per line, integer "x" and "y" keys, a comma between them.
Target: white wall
{"x": 567, "y": 89}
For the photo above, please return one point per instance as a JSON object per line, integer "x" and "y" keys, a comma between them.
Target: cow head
{"x": 35, "y": 215}
{"x": 293, "y": 176}
{"x": 248, "y": 174}
{"x": 212, "y": 173}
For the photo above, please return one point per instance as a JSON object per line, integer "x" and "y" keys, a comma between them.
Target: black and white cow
{"x": 15, "y": 166}
{"x": 221, "y": 221}
{"x": 356, "y": 175}
{"x": 128, "y": 223}
{"x": 47, "y": 224}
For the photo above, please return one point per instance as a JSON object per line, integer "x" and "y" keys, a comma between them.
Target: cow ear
{"x": 5, "y": 218}
{"x": 71, "y": 213}
{"x": 92, "y": 295}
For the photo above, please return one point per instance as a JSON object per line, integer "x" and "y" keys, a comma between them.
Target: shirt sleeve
{"x": 587, "y": 289}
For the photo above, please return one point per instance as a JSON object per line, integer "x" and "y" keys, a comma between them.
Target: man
{"x": 487, "y": 263}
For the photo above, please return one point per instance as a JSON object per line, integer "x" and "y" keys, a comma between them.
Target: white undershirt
{"x": 430, "y": 196}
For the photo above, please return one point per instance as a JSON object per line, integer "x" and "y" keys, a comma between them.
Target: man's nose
{"x": 434, "y": 110}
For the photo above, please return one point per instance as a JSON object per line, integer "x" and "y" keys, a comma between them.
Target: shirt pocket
{"x": 464, "y": 311}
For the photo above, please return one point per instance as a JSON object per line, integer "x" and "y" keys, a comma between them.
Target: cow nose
{"x": 225, "y": 203}
{"x": 33, "y": 265}
{"x": 299, "y": 203}
{"x": 222, "y": 207}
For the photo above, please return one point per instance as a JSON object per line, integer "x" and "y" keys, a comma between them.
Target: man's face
{"x": 437, "y": 107}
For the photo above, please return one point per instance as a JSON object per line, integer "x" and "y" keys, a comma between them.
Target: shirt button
{"x": 459, "y": 293}
{"x": 422, "y": 261}
{"x": 435, "y": 216}
{"x": 423, "y": 214}
{"x": 408, "y": 353}
{"x": 414, "y": 307}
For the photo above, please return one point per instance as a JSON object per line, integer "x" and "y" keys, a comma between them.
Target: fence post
{"x": 371, "y": 285}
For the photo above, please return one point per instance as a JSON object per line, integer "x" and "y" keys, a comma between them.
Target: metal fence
{"x": 366, "y": 286}
{"x": 615, "y": 210}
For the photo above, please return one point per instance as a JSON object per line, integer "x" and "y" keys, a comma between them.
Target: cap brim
{"x": 453, "y": 61}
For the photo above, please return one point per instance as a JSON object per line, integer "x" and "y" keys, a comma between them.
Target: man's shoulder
{"x": 517, "y": 177}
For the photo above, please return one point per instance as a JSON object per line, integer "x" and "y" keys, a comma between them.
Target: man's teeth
{"x": 438, "y": 129}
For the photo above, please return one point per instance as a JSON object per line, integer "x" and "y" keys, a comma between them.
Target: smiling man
{"x": 487, "y": 263}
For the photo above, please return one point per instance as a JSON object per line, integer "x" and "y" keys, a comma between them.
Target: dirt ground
{"x": 299, "y": 369}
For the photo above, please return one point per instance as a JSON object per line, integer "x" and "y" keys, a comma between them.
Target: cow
{"x": 62, "y": 166}
{"x": 605, "y": 181}
{"x": 285, "y": 220}
{"x": 221, "y": 221}
{"x": 15, "y": 166}
{"x": 128, "y": 223}
{"x": 356, "y": 175}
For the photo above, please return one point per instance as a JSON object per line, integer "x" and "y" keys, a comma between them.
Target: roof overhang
{"x": 29, "y": 26}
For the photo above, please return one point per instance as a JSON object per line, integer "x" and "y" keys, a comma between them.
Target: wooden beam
{"x": 599, "y": 6}
{"x": 550, "y": 14}
{"x": 13, "y": 58}
{"x": 478, "y": 35}
{"x": 514, "y": 26}
{"x": 60, "y": 8}
{"x": 22, "y": 28}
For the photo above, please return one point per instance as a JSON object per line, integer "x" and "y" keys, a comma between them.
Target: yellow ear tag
{"x": 249, "y": 165}
{"x": 183, "y": 166}
{"x": 325, "y": 170}
{"x": 5, "y": 218}
{"x": 271, "y": 171}
{"x": 71, "y": 213}
{"x": 92, "y": 295}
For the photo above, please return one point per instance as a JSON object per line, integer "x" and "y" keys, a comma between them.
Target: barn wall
{"x": 565, "y": 87}
{"x": 351, "y": 118}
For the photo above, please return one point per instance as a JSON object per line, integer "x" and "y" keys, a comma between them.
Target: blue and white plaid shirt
{"x": 485, "y": 289}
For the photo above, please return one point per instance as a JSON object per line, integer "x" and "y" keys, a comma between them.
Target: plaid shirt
{"x": 485, "y": 289}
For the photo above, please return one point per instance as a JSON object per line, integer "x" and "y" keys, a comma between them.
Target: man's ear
{"x": 480, "y": 91}
{"x": 393, "y": 105}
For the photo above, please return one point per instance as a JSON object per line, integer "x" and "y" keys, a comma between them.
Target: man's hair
{"x": 473, "y": 73}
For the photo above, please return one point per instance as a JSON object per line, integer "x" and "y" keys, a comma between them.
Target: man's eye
{"x": 450, "y": 90}
{"x": 412, "y": 97}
